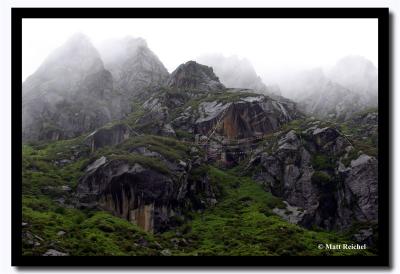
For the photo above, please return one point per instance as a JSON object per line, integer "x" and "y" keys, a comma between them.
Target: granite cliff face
{"x": 196, "y": 103}
{"x": 145, "y": 187}
{"x": 244, "y": 117}
{"x": 196, "y": 91}
{"x": 316, "y": 168}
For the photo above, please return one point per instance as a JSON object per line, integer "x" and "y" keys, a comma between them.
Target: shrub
{"x": 321, "y": 178}
{"x": 322, "y": 162}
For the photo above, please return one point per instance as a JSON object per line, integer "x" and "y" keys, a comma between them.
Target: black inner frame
{"x": 382, "y": 14}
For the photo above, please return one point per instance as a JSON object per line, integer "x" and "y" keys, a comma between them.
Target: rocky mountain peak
{"x": 79, "y": 38}
{"x": 134, "y": 43}
{"x": 357, "y": 74}
{"x": 73, "y": 60}
{"x": 194, "y": 76}
{"x": 133, "y": 65}
{"x": 69, "y": 94}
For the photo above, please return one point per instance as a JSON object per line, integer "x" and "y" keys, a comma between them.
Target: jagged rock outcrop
{"x": 146, "y": 195}
{"x": 196, "y": 102}
{"x": 244, "y": 117}
{"x": 135, "y": 68}
{"x": 364, "y": 125}
{"x": 193, "y": 76}
{"x": 109, "y": 136}
{"x": 69, "y": 94}
{"x": 310, "y": 170}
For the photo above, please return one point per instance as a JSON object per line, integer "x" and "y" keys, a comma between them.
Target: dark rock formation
{"x": 307, "y": 170}
{"x": 109, "y": 136}
{"x": 194, "y": 76}
{"x": 153, "y": 199}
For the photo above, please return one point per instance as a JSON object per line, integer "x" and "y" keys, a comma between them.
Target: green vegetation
{"x": 352, "y": 155}
{"x": 364, "y": 135}
{"x": 183, "y": 135}
{"x": 85, "y": 234}
{"x": 322, "y": 162}
{"x": 170, "y": 148}
{"x": 321, "y": 178}
{"x": 57, "y": 164}
{"x": 133, "y": 158}
{"x": 137, "y": 112}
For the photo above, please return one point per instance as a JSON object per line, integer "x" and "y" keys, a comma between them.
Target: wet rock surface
{"x": 109, "y": 136}
{"x": 306, "y": 170}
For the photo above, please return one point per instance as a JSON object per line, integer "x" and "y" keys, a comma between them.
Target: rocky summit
{"x": 133, "y": 65}
{"x": 120, "y": 157}
{"x": 194, "y": 76}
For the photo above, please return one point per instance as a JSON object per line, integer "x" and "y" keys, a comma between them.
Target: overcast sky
{"x": 271, "y": 45}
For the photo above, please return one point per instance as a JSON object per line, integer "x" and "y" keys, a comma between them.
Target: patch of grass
{"x": 170, "y": 148}
{"x": 137, "y": 112}
{"x": 134, "y": 158}
{"x": 41, "y": 165}
{"x": 182, "y": 134}
{"x": 97, "y": 234}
